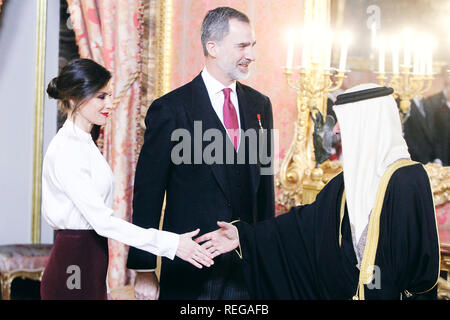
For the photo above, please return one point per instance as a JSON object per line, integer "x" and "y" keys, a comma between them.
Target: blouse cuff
{"x": 170, "y": 242}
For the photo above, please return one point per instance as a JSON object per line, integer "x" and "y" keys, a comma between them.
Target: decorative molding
{"x": 440, "y": 182}
{"x": 157, "y": 44}
{"x": 38, "y": 120}
{"x": 149, "y": 56}
{"x": 163, "y": 69}
{"x": 164, "y": 46}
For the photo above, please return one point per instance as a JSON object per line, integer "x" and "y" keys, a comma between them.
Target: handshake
{"x": 202, "y": 250}
{"x": 199, "y": 252}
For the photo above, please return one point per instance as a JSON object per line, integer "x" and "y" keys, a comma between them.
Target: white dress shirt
{"x": 446, "y": 95}
{"x": 419, "y": 104}
{"x": 214, "y": 88}
{"x": 77, "y": 193}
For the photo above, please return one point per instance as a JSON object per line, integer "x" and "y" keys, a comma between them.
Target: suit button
{"x": 228, "y": 204}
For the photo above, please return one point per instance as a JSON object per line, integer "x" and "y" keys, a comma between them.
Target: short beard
{"x": 237, "y": 75}
{"x": 234, "y": 73}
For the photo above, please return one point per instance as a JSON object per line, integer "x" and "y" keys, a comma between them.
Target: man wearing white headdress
{"x": 370, "y": 234}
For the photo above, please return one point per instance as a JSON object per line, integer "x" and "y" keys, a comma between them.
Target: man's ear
{"x": 211, "y": 47}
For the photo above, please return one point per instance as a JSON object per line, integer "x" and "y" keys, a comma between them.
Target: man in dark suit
{"x": 418, "y": 132}
{"x": 440, "y": 108}
{"x": 200, "y": 192}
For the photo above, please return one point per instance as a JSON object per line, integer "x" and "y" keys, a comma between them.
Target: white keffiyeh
{"x": 371, "y": 135}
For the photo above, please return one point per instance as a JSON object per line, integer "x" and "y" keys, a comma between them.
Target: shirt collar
{"x": 418, "y": 102}
{"x": 213, "y": 85}
{"x": 75, "y": 131}
{"x": 444, "y": 98}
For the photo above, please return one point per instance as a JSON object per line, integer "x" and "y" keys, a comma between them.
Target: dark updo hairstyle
{"x": 78, "y": 81}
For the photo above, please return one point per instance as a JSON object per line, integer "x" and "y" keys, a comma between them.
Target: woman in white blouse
{"x": 77, "y": 194}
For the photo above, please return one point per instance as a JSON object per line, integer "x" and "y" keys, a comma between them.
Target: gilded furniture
{"x": 24, "y": 261}
{"x": 444, "y": 284}
{"x": 440, "y": 182}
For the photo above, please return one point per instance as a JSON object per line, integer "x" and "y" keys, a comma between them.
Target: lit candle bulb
{"x": 305, "y": 50}
{"x": 381, "y": 55}
{"x": 328, "y": 49}
{"x": 430, "y": 61}
{"x": 290, "y": 50}
{"x": 429, "y": 56}
{"x": 373, "y": 29}
{"x": 395, "y": 57}
{"x": 344, "y": 49}
{"x": 407, "y": 45}
{"x": 290, "y": 55}
{"x": 316, "y": 42}
{"x": 422, "y": 60}
{"x": 416, "y": 61}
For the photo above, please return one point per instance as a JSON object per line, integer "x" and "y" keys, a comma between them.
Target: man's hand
{"x": 146, "y": 286}
{"x": 192, "y": 252}
{"x": 221, "y": 240}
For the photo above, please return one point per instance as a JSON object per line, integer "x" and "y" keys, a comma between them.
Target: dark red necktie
{"x": 230, "y": 118}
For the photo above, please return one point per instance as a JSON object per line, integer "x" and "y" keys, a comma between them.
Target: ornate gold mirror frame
{"x": 38, "y": 120}
{"x": 157, "y": 47}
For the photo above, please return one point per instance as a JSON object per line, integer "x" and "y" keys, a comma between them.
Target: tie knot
{"x": 226, "y": 92}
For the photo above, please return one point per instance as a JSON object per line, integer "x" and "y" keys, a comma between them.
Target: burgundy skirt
{"x": 77, "y": 267}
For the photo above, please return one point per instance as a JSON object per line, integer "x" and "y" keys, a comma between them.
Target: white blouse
{"x": 77, "y": 193}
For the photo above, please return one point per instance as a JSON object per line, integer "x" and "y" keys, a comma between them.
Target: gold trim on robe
{"x": 370, "y": 249}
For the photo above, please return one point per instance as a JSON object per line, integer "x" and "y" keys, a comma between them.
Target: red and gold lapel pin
{"x": 259, "y": 120}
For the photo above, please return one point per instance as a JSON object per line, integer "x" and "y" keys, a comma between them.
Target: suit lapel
{"x": 201, "y": 110}
{"x": 248, "y": 114}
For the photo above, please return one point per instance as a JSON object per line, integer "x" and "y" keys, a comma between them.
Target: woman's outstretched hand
{"x": 192, "y": 252}
{"x": 221, "y": 240}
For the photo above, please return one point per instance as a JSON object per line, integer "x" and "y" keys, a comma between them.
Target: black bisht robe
{"x": 297, "y": 255}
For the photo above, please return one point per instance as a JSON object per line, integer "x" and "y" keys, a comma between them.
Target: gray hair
{"x": 215, "y": 24}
